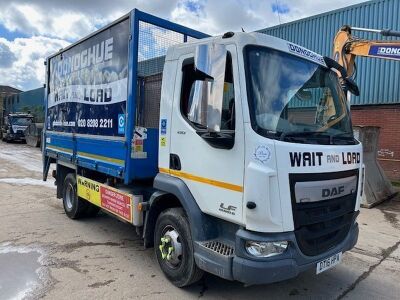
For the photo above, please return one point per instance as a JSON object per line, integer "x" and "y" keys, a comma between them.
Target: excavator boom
{"x": 347, "y": 47}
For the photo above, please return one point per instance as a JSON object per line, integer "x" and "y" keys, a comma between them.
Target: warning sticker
{"x": 89, "y": 190}
{"x": 163, "y": 141}
{"x": 138, "y": 143}
{"x": 106, "y": 197}
{"x": 116, "y": 202}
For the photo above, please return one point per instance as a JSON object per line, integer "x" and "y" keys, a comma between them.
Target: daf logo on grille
{"x": 335, "y": 191}
{"x": 314, "y": 191}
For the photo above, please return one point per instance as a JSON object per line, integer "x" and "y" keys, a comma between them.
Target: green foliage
{"x": 36, "y": 110}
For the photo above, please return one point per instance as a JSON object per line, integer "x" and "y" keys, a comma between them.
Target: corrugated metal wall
{"x": 379, "y": 80}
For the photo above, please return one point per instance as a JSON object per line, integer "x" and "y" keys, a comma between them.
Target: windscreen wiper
{"x": 305, "y": 134}
{"x": 301, "y": 134}
{"x": 343, "y": 136}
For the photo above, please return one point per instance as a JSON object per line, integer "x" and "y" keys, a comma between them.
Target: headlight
{"x": 266, "y": 249}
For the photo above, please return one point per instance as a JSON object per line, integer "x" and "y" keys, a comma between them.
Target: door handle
{"x": 174, "y": 162}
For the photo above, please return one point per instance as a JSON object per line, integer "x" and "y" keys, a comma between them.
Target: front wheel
{"x": 174, "y": 248}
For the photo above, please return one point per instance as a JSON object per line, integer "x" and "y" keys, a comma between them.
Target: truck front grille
{"x": 321, "y": 225}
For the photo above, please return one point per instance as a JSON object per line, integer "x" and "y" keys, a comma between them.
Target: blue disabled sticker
{"x": 121, "y": 124}
{"x": 163, "y": 126}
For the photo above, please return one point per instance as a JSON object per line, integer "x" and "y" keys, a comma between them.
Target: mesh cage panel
{"x": 152, "y": 47}
{"x": 150, "y": 108}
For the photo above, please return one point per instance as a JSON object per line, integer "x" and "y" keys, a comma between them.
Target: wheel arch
{"x": 62, "y": 172}
{"x": 173, "y": 192}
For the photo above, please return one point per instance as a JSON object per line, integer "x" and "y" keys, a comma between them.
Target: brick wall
{"x": 387, "y": 117}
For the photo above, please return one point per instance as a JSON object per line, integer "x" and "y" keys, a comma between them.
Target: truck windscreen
{"x": 21, "y": 121}
{"x": 295, "y": 100}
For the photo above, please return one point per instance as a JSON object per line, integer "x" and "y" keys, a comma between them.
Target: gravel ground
{"x": 43, "y": 254}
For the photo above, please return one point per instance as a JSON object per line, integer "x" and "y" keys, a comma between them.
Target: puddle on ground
{"x": 19, "y": 273}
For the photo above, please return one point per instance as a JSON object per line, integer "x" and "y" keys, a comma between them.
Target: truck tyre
{"x": 174, "y": 250}
{"x": 74, "y": 207}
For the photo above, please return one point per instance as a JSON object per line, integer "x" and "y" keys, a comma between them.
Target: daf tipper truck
{"x": 232, "y": 154}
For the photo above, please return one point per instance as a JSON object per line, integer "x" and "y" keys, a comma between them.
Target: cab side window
{"x": 187, "y": 92}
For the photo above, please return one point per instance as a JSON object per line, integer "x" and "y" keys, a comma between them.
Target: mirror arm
{"x": 333, "y": 64}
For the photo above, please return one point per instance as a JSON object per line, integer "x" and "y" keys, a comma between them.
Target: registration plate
{"x": 329, "y": 262}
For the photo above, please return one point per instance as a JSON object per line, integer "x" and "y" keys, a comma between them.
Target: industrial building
{"x": 32, "y": 101}
{"x": 5, "y": 92}
{"x": 378, "y": 80}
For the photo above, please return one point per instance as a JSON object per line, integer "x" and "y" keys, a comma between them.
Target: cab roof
{"x": 242, "y": 39}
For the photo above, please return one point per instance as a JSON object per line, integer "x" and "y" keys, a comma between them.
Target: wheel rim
{"x": 170, "y": 247}
{"x": 69, "y": 196}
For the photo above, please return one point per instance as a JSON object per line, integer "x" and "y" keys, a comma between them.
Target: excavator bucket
{"x": 377, "y": 187}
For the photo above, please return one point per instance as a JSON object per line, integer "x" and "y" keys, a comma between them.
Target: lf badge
{"x": 229, "y": 209}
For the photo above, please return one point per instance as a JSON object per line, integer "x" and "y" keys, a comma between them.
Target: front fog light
{"x": 266, "y": 249}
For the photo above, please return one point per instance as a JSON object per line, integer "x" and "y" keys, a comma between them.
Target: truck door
{"x": 214, "y": 176}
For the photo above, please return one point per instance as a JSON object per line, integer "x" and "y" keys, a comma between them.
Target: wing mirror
{"x": 351, "y": 86}
{"x": 348, "y": 83}
{"x": 206, "y": 106}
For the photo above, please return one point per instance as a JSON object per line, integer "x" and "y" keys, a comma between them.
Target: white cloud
{"x": 27, "y": 69}
{"x": 33, "y": 20}
{"x": 52, "y": 24}
{"x": 74, "y": 18}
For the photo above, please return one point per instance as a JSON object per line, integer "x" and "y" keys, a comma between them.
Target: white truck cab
{"x": 282, "y": 167}
{"x": 233, "y": 155}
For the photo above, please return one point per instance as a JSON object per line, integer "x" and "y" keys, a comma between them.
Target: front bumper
{"x": 15, "y": 136}
{"x": 251, "y": 270}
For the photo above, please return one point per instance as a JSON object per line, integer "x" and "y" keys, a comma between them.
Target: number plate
{"x": 329, "y": 262}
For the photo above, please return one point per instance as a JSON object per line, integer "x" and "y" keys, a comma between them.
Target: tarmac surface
{"x": 43, "y": 254}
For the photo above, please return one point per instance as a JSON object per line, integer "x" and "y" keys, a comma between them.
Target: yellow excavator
{"x": 347, "y": 47}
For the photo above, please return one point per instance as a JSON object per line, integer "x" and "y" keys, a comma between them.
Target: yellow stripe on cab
{"x": 221, "y": 184}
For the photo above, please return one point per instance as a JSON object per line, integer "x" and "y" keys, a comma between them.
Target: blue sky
{"x": 280, "y": 8}
{"x": 11, "y": 35}
{"x": 32, "y": 30}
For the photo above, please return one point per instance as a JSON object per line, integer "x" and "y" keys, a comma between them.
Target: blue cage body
{"x": 103, "y": 93}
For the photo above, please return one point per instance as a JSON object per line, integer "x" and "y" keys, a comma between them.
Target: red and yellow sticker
{"x": 108, "y": 198}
